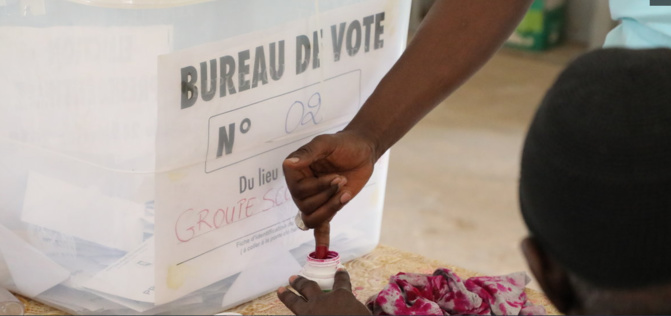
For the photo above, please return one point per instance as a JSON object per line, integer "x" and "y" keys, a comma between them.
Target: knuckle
{"x": 307, "y": 209}
{"x": 297, "y": 193}
{"x": 333, "y": 206}
{"x": 301, "y": 207}
{"x": 311, "y": 222}
{"x": 302, "y": 191}
{"x": 327, "y": 184}
{"x": 341, "y": 293}
{"x": 301, "y": 283}
{"x": 323, "y": 138}
{"x": 304, "y": 150}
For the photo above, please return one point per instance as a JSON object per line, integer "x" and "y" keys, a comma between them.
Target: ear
{"x": 552, "y": 278}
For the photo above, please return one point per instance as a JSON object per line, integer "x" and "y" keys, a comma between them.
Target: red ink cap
{"x": 321, "y": 252}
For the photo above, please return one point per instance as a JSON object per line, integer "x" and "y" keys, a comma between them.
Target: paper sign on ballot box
{"x": 142, "y": 145}
{"x": 229, "y": 113}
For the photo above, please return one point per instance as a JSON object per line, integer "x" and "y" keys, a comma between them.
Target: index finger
{"x": 306, "y": 287}
{"x": 342, "y": 281}
{"x": 322, "y": 235}
{"x": 292, "y": 301}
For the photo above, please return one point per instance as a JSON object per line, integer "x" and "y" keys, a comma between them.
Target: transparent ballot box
{"x": 141, "y": 144}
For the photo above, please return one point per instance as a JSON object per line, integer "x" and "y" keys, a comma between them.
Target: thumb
{"x": 319, "y": 147}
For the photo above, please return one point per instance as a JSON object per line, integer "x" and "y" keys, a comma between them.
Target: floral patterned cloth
{"x": 444, "y": 293}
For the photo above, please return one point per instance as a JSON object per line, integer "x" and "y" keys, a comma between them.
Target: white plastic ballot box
{"x": 141, "y": 144}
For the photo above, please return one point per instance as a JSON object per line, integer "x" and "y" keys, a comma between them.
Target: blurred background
{"x": 452, "y": 185}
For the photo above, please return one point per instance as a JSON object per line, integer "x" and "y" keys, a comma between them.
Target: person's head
{"x": 595, "y": 185}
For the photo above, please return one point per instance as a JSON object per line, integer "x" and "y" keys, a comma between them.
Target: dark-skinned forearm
{"x": 455, "y": 39}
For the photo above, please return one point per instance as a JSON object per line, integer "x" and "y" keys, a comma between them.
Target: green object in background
{"x": 542, "y": 26}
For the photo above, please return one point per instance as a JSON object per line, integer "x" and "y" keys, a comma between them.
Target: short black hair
{"x": 595, "y": 184}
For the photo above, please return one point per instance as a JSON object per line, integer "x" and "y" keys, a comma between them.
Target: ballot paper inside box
{"x": 141, "y": 144}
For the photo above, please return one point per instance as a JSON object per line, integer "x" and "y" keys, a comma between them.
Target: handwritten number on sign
{"x": 300, "y": 115}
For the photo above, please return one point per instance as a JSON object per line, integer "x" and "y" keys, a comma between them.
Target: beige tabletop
{"x": 369, "y": 274}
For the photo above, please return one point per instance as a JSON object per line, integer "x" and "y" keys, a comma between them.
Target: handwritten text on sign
{"x": 192, "y": 223}
{"x": 302, "y": 113}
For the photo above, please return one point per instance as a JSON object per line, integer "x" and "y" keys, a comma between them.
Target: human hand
{"x": 328, "y": 172}
{"x": 340, "y": 301}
